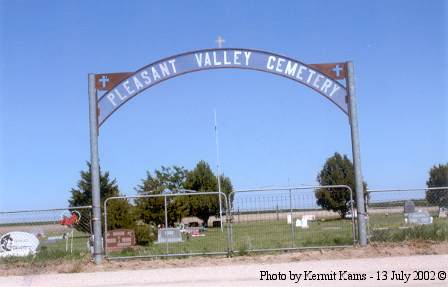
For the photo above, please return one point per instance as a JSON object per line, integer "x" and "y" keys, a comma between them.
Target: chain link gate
{"x": 287, "y": 219}
{"x": 389, "y": 212}
{"x": 166, "y": 224}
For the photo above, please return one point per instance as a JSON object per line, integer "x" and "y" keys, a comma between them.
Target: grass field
{"x": 392, "y": 227}
{"x": 273, "y": 234}
{"x": 249, "y": 236}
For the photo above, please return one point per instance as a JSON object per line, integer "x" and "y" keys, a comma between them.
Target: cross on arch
{"x": 104, "y": 80}
{"x": 219, "y": 41}
{"x": 337, "y": 70}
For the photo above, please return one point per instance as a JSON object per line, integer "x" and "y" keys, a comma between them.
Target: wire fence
{"x": 289, "y": 218}
{"x": 212, "y": 223}
{"x": 399, "y": 215}
{"x": 60, "y": 230}
{"x": 207, "y": 223}
{"x": 165, "y": 225}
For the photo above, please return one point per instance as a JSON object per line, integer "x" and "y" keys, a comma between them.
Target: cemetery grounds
{"x": 246, "y": 235}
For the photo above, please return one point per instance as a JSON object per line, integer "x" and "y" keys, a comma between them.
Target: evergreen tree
{"x": 438, "y": 177}
{"x": 119, "y": 211}
{"x": 202, "y": 179}
{"x": 337, "y": 170}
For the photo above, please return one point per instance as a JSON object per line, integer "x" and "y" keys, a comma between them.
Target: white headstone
{"x": 304, "y": 222}
{"x": 169, "y": 235}
{"x": 309, "y": 217}
{"x": 420, "y": 217}
{"x": 289, "y": 218}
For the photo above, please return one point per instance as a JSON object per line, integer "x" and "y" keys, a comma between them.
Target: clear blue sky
{"x": 272, "y": 130}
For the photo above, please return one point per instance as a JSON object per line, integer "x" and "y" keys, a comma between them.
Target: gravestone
{"x": 409, "y": 207}
{"x": 289, "y": 218}
{"x": 420, "y": 217}
{"x": 169, "y": 235}
{"x": 119, "y": 239}
{"x": 303, "y": 223}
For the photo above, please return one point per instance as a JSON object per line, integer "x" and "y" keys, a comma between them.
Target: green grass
{"x": 255, "y": 235}
{"x": 45, "y": 255}
{"x": 57, "y": 249}
{"x": 392, "y": 228}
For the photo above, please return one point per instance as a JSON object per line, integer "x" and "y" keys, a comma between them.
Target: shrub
{"x": 145, "y": 234}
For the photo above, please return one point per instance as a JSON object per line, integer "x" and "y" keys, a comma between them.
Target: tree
{"x": 337, "y": 170}
{"x": 438, "y": 177}
{"x": 152, "y": 210}
{"x": 120, "y": 214}
{"x": 202, "y": 179}
{"x": 173, "y": 179}
{"x": 81, "y": 195}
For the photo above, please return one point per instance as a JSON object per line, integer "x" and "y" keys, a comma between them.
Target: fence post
{"x": 356, "y": 155}
{"x": 293, "y": 235}
{"x": 95, "y": 171}
{"x": 166, "y": 221}
{"x": 276, "y": 212}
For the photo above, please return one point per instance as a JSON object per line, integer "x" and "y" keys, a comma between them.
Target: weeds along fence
{"x": 289, "y": 218}
{"x": 59, "y": 230}
{"x": 399, "y": 215}
{"x": 170, "y": 224}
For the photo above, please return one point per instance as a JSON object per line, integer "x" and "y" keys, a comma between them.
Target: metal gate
{"x": 166, "y": 224}
{"x": 288, "y": 218}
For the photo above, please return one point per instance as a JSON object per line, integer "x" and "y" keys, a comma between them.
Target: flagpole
{"x": 218, "y": 173}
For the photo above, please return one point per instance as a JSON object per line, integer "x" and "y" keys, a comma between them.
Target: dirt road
{"x": 250, "y": 274}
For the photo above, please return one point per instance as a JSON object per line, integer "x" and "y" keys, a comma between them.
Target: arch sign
{"x": 118, "y": 88}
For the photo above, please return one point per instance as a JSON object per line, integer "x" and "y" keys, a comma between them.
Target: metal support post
{"x": 293, "y": 233}
{"x": 95, "y": 172}
{"x": 359, "y": 189}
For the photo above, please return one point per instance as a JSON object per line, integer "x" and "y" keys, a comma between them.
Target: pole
{"x": 95, "y": 172}
{"x": 166, "y": 223}
{"x": 218, "y": 171}
{"x": 166, "y": 212}
{"x": 293, "y": 235}
{"x": 359, "y": 189}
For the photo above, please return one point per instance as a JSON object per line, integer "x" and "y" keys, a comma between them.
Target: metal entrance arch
{"x": 121, "y": 87}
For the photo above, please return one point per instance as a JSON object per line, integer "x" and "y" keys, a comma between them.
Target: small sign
{"x": 169, "y": 235}
{"x": 120, "y": 238}
{"x": 18, "y": 243}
